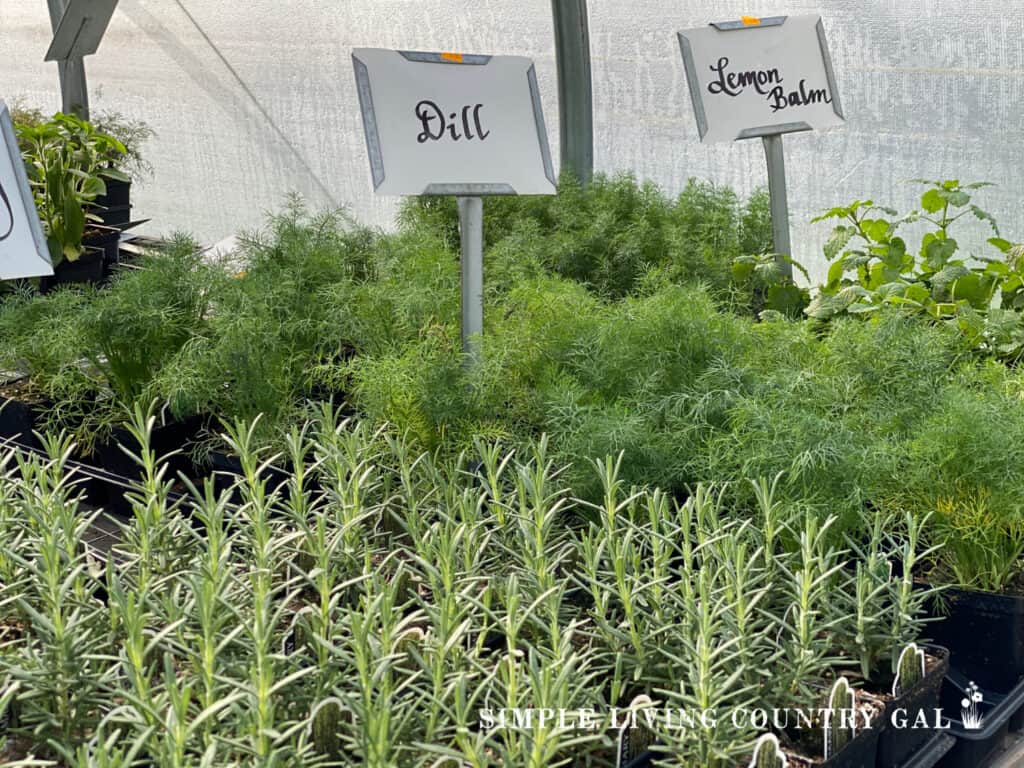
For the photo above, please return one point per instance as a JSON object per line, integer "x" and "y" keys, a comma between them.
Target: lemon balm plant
{"x": 873, "y": 267}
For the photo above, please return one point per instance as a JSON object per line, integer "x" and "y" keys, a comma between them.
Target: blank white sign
{"x": 81, "y": 29}
{"x": 452, "y": 124}
{"x": 760, "y": 76}
{"x": 23, "y": 251}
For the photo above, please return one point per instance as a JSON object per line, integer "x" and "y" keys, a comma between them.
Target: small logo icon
{"x": 970, "y": 716}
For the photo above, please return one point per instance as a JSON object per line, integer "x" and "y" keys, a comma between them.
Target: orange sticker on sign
{"x": 750, "y": 21}
{"x": 454, "y": 57}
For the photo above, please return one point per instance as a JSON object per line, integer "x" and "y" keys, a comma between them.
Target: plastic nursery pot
{"x": 87, "y": 268}
{"x": 860, "y": 752}
{"x": 19, "y": 417}
{"x": 984, "y": 633}
{"x": 643, "y": 760}
{"x": 166, "y": 439}
{"x": 106, "y": 239}
{"x": 227, "y": 469}
{"x": 977, "y": 742}
{"x": 928, "y": 755}
{"x": 118, "y": 195}
{"x": 909, "y": 721}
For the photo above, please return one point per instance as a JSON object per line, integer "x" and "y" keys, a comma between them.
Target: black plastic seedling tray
{"x": 975, "y": 747}
{"x": 931, "y": 752}
{"x": 897, "y": 746}
{"x": 984, "y": 633}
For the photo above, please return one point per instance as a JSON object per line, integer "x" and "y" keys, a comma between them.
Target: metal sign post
{"x": 775, "y": 155}
{"x": 471, "y": 236}
{"x": 763, "y": 78}
{"x": 78, "y": 27}
{"x": 461, "y": 125}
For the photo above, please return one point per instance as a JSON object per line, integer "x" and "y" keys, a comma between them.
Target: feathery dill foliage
{"x": 367, "y": 611}
{"x": 90, "y": 351}
{"x": 266, "y": 327}
{"x": 641, "y": 349}
{"x": 612, "y": 234}
{"x": 315, "y": 305}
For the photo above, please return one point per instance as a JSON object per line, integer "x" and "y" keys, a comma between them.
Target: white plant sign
{"x": 760, "y": 77}
{"x": 23, "y": 251}
{"x": 452, "y": 124}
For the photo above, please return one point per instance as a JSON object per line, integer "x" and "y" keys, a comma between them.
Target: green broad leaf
{"x": 842, "y": 212}
{"x": 939, "y": 251}
{"x": 917, "y": 292}
{"x": 876, "y": 229}
{"x": 115, "y": 175}
{"x": 1015, "y": 257}
{"x": 973, "y": 288}
{"x": 893, "y": 254}
{"x": 889, "y": 290}
{"x": 879, "y": 274}
{"x": 970, "y": 323}
{"x": 839, "y": 239}
{"x": 902, "y": 302}
{"x": 998, "y": 268}
{"x": 985, "y": 216}
{"x": 948, "y": 274}
{"x": 932, "y": 201}
{"x": 955, "y": 197}
{"x": 950, "y": 184}
{"x": 742, "y": 270}
{"x": 74, "y": 223}
{"x": 862, "y": 308}
{"x": 835, "y": 273}
{"x": 852, "y": 293}
{"x": 1002, "y": 245}
{"x": 854, "y": 260}
{"x": 768, "y": 271}
{"x": 787, "y": 299}
{"x": 825, "y": 306}
{"x": 1012, "y": 283}
{"x": 93, "y": 187}
{"x": 55, "y": 248}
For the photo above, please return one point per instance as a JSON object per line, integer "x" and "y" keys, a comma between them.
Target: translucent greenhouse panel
{"x": 929, "y": 88}
{"x": 250, "y": 106}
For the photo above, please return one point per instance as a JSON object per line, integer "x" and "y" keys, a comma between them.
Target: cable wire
{"x": 263, "y": 110}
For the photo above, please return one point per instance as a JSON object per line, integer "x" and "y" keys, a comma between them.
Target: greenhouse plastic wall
{"x": 253, "y": 100}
